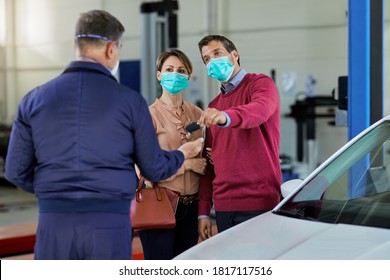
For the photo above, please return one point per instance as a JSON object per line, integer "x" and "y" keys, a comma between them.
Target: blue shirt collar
{"x": 234, "y": 82}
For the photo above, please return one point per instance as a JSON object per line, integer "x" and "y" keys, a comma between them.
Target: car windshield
{"x": 352, "y": 189}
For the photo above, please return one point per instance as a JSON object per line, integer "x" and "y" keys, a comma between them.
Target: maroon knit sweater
{"x": 246, "y": 175}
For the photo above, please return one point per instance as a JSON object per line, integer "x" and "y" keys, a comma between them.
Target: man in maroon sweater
{"x": 243, "y": 177}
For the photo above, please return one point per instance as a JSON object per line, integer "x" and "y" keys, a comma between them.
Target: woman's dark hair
{"x": 97, "y": 26}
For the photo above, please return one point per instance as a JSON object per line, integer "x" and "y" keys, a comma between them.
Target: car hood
{"x": 270, "y": 236}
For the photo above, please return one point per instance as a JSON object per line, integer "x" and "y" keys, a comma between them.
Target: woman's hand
{"x": 197, "y": 165}
{"x": 208, "y": 154}
{"x": 148, "y": 185}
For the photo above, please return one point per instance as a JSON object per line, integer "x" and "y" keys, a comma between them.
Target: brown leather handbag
{"x": 152, "y": 208}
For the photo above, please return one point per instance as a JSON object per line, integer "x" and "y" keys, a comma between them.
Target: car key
{"x": 194, "y": 126}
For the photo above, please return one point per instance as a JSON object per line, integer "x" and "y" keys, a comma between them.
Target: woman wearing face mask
{"x": 171, "y": 114}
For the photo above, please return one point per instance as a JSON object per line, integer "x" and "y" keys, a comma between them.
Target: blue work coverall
{"x": 74, "y": 143}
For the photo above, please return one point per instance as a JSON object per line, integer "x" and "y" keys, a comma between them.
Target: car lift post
{"x": 365, "y": 64}
{"x": 365, "y": 77}
{"x": 158, "y": 33}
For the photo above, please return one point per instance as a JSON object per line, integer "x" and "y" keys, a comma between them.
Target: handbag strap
{"x": 141, "y": 182}
{"x": 138, "y": 192}
{"x": 158, "y": 191}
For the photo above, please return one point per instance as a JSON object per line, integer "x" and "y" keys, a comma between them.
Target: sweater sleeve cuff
{"x": 203, "y": 217}
{"x": 228, "y": 120}
{"x": 234, "y": 120}
{"x": 204, "y": 208}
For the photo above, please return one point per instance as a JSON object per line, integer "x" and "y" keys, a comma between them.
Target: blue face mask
{"x": 174, "y": 82}
{"x": 220, "y": 69}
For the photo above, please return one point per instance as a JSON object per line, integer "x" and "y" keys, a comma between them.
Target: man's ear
{"x": 110, "y": 49}
{"x": 235, "y": 55}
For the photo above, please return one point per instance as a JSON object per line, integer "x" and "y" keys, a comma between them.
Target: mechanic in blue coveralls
{"x": 74, "y": 144}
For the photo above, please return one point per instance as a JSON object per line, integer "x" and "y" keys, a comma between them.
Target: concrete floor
{"x": 16, "y": 206}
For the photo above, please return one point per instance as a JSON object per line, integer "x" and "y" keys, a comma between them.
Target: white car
{"x": 340, "y": 211}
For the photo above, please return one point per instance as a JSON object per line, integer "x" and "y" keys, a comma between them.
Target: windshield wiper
{"x": 295, "y": 213}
